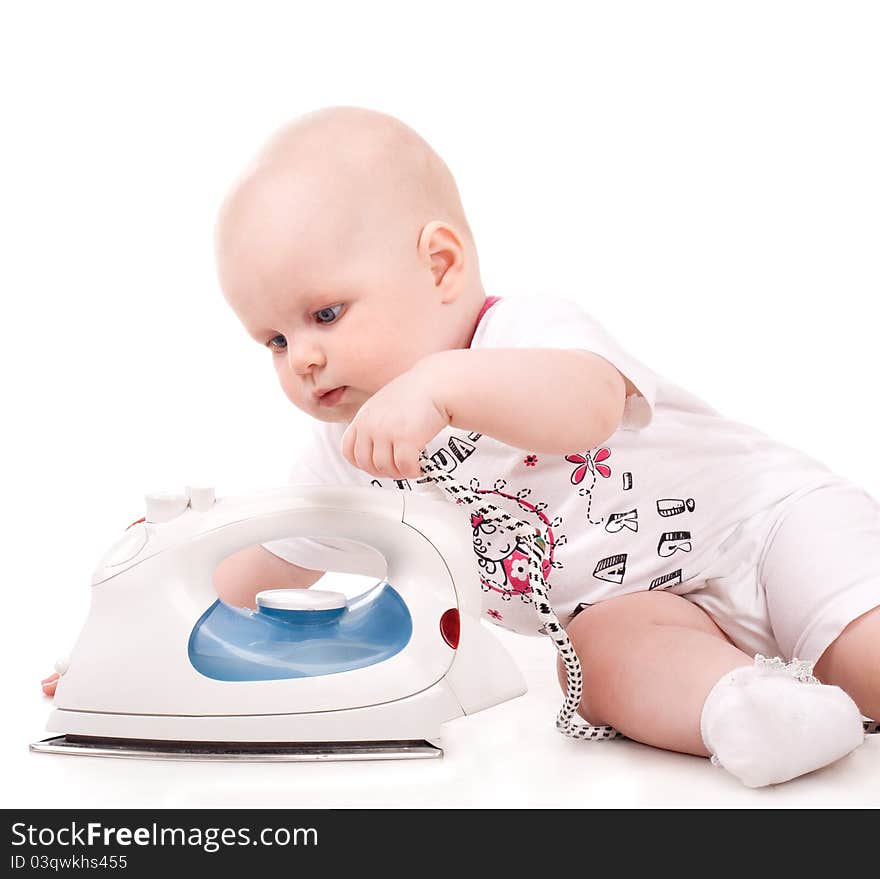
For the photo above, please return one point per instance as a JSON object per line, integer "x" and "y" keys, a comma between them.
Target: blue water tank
{"x": 276, "y": 642}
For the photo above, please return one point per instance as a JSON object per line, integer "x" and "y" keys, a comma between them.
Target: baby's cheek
{"x": 290, "y": 387}
{"x": 384, "y": 370}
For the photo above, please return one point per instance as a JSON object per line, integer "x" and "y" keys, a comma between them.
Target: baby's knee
{"x": 608, "y": 635}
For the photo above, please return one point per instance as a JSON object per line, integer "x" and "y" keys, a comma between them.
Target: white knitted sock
{"x": 772, "y": 721}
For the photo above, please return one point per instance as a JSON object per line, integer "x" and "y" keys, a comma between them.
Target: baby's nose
{"x": 304, "y": 358}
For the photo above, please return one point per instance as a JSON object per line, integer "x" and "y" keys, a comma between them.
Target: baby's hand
{"x": 49, "y": 684}
{"x": 394, "y": 425}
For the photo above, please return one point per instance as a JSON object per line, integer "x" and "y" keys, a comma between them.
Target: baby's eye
{"x": 328, "y": 315}
{"x": 280, "y": 346}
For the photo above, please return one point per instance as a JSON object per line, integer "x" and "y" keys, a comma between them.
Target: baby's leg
{"x": 852, "y": 662}
{"x": 649, "y": 660}
{"x": 659, "y": 670}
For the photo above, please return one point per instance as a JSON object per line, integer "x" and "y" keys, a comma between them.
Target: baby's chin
{"x": 333, "y": 417}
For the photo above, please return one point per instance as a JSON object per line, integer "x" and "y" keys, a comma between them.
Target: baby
{"x": 682, "y": 548}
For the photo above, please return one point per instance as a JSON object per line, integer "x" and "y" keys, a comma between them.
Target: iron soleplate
{"x": 254, "y": 752}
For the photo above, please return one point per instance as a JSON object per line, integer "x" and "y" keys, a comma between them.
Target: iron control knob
{"x": 201, "y": 497}
{"x": 163, "y": 507}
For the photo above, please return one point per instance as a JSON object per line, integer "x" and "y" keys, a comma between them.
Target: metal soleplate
{"x": 254, "y": 752}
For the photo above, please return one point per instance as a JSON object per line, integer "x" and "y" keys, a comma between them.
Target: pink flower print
{"x": 516, "y": 567}
{"x": 603, "y": 469}
{"x": 530, "y": 460}
{"x": 587, "y": 462}
{"x": 581, "y": 470}
{"x": 519, "y": 569}
{"x": 494, "y": 614}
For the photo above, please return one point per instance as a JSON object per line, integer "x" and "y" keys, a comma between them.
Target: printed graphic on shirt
{"x": 616, "y": 521}
{"x": 672, "y": 579}
{"x": 457, "y": 451}
{"x": 611, "y": 569}
{"x": 674, "y": 506}
{"x": 502, "y": 558}
{"x": 502, "y": 561}
{"x": 673, "y": 541}
{"x": 588, "y": 468}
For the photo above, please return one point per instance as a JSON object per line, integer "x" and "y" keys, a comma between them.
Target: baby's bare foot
{"x": 50, "y": 683}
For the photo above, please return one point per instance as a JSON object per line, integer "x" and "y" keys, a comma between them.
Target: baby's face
{"x": 342, "y": 309}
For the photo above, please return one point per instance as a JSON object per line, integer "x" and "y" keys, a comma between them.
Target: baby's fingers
{"x": 406, "y": 460}
{"x": 358, "y": 449}
{"x": 383, "y": 459}
{"x": 49, "y": 684}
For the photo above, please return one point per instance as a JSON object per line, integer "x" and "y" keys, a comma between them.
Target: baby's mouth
{"x": 331, "y": 398}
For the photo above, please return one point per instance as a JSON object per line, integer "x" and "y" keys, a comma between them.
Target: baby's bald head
{"x": 371, "y": 161}
{"x": 351, "y": 200}
{"x": 338, "y": 180}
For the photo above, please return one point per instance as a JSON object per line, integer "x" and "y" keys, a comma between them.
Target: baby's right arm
{"x": 242, "y": 575}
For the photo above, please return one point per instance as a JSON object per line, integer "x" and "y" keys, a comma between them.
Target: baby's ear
{"x": 441, "y": 248}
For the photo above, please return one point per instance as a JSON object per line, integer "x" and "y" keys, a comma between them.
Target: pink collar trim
{"x": 490, "y": 301}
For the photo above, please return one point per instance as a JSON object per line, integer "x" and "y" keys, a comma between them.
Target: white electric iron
{"x": 163, "y": 669}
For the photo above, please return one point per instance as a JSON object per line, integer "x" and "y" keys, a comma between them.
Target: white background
{"x": 701, "y": 176}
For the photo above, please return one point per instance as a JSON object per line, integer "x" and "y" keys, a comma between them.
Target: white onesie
{"x": 677, "y": 497}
